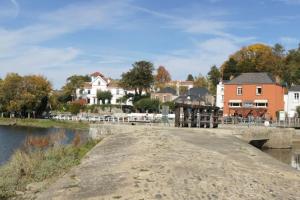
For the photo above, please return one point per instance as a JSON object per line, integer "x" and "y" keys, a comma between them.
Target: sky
{"x": 57, "y": 39}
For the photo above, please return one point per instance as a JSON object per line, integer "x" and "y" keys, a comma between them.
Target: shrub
{"x": 147, "y": 104}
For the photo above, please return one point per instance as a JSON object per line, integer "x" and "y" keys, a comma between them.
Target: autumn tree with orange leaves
{"x": 162, "y": 77}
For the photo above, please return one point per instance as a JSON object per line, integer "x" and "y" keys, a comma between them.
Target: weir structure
{"x": 196, "y": 111}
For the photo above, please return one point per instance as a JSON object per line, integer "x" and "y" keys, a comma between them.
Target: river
{"x": 13, "y": 137}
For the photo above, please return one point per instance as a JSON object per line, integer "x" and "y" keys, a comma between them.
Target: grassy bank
{"x": 44, "y": 123}
{"x": 39, "y": 165}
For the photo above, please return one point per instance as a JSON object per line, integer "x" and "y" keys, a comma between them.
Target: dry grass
{"x": 40, "y": 161}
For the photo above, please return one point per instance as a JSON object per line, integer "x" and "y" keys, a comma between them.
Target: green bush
{"x": 147, "y": 104}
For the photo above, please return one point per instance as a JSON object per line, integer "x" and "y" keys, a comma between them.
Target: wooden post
{"x": 185, "y": 117}
{"x": 177, "y": 116}
{"x": 194, "y": 117}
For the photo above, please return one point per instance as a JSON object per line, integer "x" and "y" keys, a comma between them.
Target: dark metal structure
{"x": 196, "y": 111}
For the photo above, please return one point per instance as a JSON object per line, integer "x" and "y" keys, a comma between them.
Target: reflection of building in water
{"x": 296, "y": 161}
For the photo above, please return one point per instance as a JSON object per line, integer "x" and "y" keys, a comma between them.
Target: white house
{"x": 292, "y": 101}
{"x": 100, "y": 82}
{"x": 220, "y": 95}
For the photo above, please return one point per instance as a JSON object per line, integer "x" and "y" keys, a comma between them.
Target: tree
{"x": 291, "y": 72}
{"x": 24, "y": 95}
{"x": 214, "y": 76}
{"x": 253, "y": 58}
{"x": 103, "y": 96}
{"x": 140, "y": 77}
{"x": 147, "y": 105}
{"x": 73, "y": 82}
{"x": 190, "y": 77}
{"x": 162, "y": 77}
{"x": 201, "y": 81}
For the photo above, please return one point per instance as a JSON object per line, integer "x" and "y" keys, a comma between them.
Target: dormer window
{"x": 258, "y": 90}
{"x": 239, "y": 90}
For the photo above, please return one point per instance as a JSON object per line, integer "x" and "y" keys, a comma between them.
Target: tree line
{"x": 32, "y": 95}
{"x": 24, "y": 96}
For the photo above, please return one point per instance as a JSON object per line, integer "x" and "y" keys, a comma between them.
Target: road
{"x": 169, "y": 163}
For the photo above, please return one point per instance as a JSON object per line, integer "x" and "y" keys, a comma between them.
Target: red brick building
{"x": 253, "y": 94}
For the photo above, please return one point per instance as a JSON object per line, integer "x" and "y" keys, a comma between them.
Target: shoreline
{"x": 43, "y": 123}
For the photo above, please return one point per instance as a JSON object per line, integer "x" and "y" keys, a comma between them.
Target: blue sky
{"x": 58, "y": 38}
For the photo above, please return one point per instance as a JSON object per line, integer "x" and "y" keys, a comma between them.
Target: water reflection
{"x": 296, "y": 161}
{"x": 288, "y": 156}
{"x": 15, "y": 137}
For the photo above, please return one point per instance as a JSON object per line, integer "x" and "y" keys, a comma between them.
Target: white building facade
{"x": 220, "y": 95}
{"x": 292, "y": 101}
{"x": 100, "y": 83}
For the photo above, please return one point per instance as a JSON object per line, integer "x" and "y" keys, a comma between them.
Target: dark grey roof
{"x": 200, "y": 91}
{"x": 168, "y": 90}
{"x": 295, "y": 88}
{"x": 255, "y": 78}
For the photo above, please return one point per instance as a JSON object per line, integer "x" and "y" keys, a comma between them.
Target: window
{"x": 99, "y": 82}
{"x": 222, "y": 98}
{"x": 235, "y": 104}
{"x": 222, "y": 89}
{"x": 88, "y": 101}
{"x": 89, "y": 91}
{"x": 296, "y": 96}
{"x": 118, "y": 91}
{"x": 239, "y": 90}
{"x": 258, "y": 90}
{"x": 261, "y": 105}
{"x": 164, "y": 98}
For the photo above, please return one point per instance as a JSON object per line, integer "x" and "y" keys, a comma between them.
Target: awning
{"x": 261, "y": 101}
{"x": 235, "y": 101}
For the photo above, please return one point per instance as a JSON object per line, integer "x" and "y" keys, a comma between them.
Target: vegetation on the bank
{"x": 24, "y": 96}
{"x": 44, "y": 123}
{"x": 41, "y": 159}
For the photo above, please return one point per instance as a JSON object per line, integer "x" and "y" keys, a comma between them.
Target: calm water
{"x": 13, "y": 137}
{"x": 288, "y": 156}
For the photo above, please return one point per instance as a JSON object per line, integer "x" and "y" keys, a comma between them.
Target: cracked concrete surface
{"x": 172, "y": 163}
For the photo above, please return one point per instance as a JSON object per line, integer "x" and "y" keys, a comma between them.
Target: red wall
{"x": 271, "y": 92}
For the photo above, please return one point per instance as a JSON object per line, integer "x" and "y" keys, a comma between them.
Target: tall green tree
{"x": 103, "y": 96}
{"x": 190, "y": 77}
{"x": 214, "y": 76}
{"x": 140, "y": 77}
{"x": 73, "y": 82}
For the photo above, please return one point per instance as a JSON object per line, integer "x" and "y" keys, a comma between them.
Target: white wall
{"x": 291, "y": 103}
{"x": 220, "y": 95}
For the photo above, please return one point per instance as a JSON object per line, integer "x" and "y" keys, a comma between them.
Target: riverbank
{"x": 32, "y": 169}
{"x": 175, "y": 163}
{"x": 44, "y": 123}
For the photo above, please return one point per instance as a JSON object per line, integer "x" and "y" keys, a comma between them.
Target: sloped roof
{"x": 198, "y": 91}
{"x": 96, "y": 74}
{"x": 87, "y": 85}
{"x": 255, "y": 78}
{"x": 114, "y": 83}
{"x": 295, "y": 88}
{"x": 168, "y": 90}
